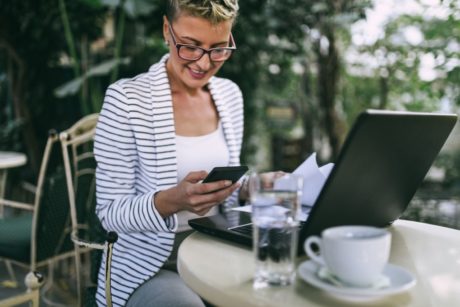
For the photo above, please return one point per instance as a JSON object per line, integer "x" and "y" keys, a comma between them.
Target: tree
{"x": 306, "y": 32}
{"x": 30, "y": 53}
{"x": 398, "y": 61}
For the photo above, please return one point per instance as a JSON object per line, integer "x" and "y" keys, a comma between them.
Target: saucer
{"x": 400, "y": 280}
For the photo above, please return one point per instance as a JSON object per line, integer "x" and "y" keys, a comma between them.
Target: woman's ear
{"x": 165, "y": 29}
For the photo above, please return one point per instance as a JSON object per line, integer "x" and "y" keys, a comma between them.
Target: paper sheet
{"x": 314, "y": 178}
{"x": 303, "y": 214}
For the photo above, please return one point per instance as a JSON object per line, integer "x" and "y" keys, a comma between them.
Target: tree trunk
{"x": 328, "y": 75}
{"x": 383, "y": 84}
{"x": 16, "y": 77}
{"x": 307, "y": 112}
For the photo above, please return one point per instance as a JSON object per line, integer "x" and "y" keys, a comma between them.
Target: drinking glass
{"x": 275, "y": 200}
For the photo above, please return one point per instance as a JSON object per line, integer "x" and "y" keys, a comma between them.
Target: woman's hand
{"x": 266, "y": 178}
{"x": 193, "y": 196}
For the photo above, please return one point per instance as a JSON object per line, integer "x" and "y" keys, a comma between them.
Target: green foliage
{"x": 399, "y": 62}
{"x": 60, "y": 85}
{"x": 32, "y": 48}
{"x": 102, "y": 69}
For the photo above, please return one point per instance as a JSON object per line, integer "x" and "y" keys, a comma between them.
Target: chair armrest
{"x": 32, "y": 296}
{"x": 33, "y": 281}
{"x": 16, "y": 204}
{"x": 85, "y": 243}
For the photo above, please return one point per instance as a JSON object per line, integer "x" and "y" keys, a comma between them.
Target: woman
{"x": 158, "y": 136}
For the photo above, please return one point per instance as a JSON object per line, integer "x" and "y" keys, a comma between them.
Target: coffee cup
{"x": 355, "y": 255}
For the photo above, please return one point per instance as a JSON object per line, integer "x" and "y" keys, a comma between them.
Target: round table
{"x": 221, "y": 272}
{"x": 8, "y": 159}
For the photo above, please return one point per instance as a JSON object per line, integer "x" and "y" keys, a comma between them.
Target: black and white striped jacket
{"x": 135, "y": 150}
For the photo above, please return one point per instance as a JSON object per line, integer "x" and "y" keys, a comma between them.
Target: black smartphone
{"x": 232, "y": 173}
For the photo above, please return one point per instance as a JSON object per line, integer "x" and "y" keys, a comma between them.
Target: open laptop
{"x": 382, "y": 163}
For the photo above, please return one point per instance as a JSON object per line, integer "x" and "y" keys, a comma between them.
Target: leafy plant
{"x": 80, "y": 82}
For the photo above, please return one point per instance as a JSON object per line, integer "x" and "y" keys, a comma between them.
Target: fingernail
{"x": 228, "y": 183}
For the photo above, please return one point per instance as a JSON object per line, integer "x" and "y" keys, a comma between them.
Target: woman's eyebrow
{"x": 198, "y": 43}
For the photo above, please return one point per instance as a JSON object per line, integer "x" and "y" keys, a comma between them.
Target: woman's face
{"x": 198, "y": 32}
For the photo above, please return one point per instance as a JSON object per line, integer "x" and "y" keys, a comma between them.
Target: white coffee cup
{"x": 356, "y": 255}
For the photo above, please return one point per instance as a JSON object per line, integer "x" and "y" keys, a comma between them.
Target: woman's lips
{"x": 196, "y": 74}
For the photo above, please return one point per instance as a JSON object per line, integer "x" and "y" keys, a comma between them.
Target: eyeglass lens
{"x": 194, "y": 53}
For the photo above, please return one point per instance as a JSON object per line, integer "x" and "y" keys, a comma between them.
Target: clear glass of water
{"x": 275, "y": 200}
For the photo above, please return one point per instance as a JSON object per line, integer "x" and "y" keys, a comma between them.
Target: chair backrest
{"x": 87, "y": 231}
{"x": 51, "y": 219}
{"x": 80, "y": 166}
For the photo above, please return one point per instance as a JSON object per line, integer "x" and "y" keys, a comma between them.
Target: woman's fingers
{"x": 195, "y": 177}
{"x": 201, "y": 202}
{"x": 199, "y": 198}
{"x": 203, "y": 212}
{"x": 205, "y": 188}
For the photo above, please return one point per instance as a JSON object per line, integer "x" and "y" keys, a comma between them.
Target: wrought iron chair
{"x": 38, "y": 235}
{"x": 80, "y": 165}
{"x": 33, "y": 282}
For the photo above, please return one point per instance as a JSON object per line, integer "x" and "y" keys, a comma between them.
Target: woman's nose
{"x": 205, "y": 62}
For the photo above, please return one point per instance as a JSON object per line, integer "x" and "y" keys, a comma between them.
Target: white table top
{"x": 9, "y": 159}
{"x": 221, "y": 272}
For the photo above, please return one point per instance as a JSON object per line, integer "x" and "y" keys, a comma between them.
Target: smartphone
{"x": 232, "y": 173}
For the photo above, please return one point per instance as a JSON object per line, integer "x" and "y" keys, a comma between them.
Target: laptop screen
{"x": 382, "y": 163}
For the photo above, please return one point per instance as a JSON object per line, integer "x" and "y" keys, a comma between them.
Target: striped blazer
{"x": 135, "y": 150}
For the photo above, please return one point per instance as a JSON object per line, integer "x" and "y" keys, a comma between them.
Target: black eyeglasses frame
{"x": 210, "y": 51}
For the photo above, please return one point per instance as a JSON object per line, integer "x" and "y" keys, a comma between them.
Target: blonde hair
{"x": 215, "y": 11}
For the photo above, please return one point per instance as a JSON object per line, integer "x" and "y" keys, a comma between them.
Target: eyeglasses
{"x": 194, "y": 53}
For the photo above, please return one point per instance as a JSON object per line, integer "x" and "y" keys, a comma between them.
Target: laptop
{"x": 382, "y": 162}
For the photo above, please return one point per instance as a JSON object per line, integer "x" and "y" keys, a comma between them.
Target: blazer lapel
{"x": 225, "y": 116}
{"x": 163, "y": 131}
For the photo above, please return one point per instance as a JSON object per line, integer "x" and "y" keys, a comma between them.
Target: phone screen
{"x": 232, "y": 173}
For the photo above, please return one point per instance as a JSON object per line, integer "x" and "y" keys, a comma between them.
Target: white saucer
{"x": 400, "y": 280}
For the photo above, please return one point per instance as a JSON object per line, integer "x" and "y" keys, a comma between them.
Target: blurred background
{"x": 306, "y": 69}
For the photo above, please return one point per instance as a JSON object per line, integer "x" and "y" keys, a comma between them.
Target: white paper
{"x": 246, "y": 208}
{"x": 314, "y": 178}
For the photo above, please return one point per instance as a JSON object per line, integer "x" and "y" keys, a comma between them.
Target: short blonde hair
{"x": 215, "y": 11}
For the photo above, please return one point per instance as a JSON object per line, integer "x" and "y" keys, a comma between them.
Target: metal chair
{"x": 38, "y": 235}
{"x": 87, "y": 232}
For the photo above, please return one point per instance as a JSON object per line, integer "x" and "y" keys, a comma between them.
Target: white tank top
{"x": 196, "y": 153}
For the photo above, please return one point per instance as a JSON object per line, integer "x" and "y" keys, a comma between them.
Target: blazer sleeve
{"x": 120, "y": 206}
